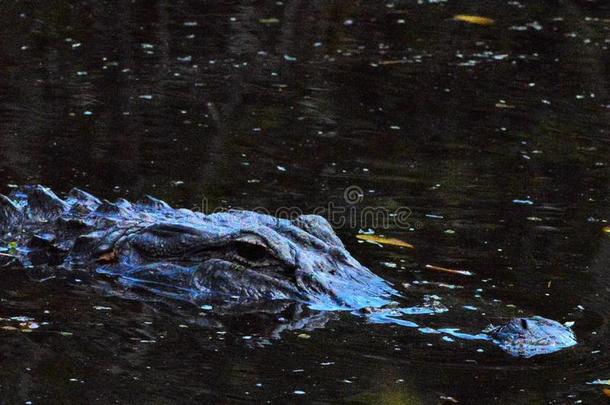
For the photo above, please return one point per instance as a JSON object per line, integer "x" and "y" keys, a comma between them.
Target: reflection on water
{"x": 496, "y": 137}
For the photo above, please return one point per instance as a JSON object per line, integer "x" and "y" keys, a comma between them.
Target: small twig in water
{"x": 446, "y": 270}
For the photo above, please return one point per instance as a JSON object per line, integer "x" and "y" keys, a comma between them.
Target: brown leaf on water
{"x": 268, "y": 20}
{"x": 474, "y": 19}
{"x": 606, "y": 392}
{"x": 446, "y": 270}
{"x": 392, "y": 62}
{"x": 385, "y": 241}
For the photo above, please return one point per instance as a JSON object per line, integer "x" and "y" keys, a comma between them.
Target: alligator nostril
{"x": 523, "y": 323}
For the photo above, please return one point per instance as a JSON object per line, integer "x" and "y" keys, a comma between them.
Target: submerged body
{"x": 238, "y": 256}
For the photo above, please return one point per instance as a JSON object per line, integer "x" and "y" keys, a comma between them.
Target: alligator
{"x": 233, "y": 256}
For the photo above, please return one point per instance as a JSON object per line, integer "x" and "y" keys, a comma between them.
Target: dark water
{"x": 271, "y": 104}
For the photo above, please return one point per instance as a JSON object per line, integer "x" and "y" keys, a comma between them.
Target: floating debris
{"x": 474, "y": 19}
{"x": 446, "y": 270}
{"x": 268, "y": 20}
{"x": 524, "y": 202}
{"x": 385, "y": 241}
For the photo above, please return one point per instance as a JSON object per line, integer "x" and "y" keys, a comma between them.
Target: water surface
{"x": 496, "y": 137}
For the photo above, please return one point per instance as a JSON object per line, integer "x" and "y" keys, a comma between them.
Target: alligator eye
{"x": 250, "y": 252}
{"x": 523, "y": 323}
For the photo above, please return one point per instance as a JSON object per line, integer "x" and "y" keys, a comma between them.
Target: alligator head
{"x": 238, "y": 255}
{"x": 243, "y": 256}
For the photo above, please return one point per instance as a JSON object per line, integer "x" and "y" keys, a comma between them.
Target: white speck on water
{"x": 348, "y": 22}
{"x": 299, "y": 392}
{"x": 524, "y": 202}
{"x": 448, "y": 339}
{"x": 87, "y": 113}
{"x": 281, "y": 168}
{"x": 289, "y": 58}
{"x": 187, "y": 58}
{"x": 190, "y": 23}
{"x": 434, "y": 216}
{"x": 207, "y": 307}
{"x": 76, "y": 45}
{"x": 389, "y": 265}
{"x": 145, "y": 96}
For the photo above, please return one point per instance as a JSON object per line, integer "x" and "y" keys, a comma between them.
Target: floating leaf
{"x": 474, "y": 19}
{"x": 11, "y": 328}
{"x": 446, "y": 270}
{"x": 606, "y": 392}
{"x": 304, "y": 336}
{"x": 269, "y": 20}
{"x": 385, "y": 241}
{"x": 606, "y": 229}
